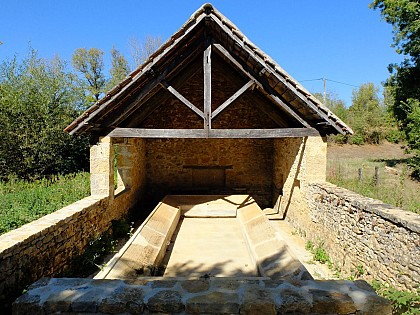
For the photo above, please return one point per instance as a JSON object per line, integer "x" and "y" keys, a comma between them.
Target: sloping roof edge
{"x": 206, "y": 10}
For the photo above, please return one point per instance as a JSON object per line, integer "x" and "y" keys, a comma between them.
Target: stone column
{"x": 316, "y": 159}
{"x": 125, "y": 163}
{"x": 102, "y": 168}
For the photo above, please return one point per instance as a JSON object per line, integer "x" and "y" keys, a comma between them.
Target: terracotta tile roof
{"x": 300, "y": 94}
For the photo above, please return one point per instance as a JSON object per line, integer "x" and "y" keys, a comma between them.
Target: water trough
{"x": 203, "y": 236}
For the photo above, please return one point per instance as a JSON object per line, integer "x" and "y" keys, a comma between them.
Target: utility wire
{"x": 321, "y": 79}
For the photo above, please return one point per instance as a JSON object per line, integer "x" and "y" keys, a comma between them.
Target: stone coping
{"x": 32, "y": 230}
{"x": 407, "y": 219}
{"x": 200, "y": 296}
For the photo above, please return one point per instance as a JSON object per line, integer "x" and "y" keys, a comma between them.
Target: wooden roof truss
{"x": 207, "y": 33}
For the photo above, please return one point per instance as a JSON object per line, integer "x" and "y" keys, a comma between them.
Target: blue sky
{"x": 341, "y": 40}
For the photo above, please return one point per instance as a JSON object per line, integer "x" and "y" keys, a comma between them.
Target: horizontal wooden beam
{"x": 213, "y": 133}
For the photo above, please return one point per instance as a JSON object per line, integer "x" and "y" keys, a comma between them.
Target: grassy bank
{"x": 23, "y": 202}
{"x": 394, "y": 185}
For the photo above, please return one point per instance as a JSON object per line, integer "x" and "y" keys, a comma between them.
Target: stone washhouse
{"x": 221, "y": 141}
{"x": 209, "y": 113}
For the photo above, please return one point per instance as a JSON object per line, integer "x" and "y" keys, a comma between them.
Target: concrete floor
{"x": 209, "y": 246}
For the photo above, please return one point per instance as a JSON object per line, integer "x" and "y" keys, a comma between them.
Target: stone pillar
{"x": 102, "y": 168}
{"x": 316, "y": 159}
{"x": 125, "y": 163}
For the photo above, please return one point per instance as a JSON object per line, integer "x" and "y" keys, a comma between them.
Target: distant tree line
{"x": 40, "y": 97}
{"x": 368, "y": 115}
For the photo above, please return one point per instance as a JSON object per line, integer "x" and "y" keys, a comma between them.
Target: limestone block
{"x": 213, "y": 303}
{"x": 257, "y": 301}
{"x": 293, "y": 302}
{"x": 194, "y": 286}
{"x": 166, "y": 301}
{"x": 327, "y": 302}
{"x": 127, "y": 298}
{"x": 259, "y": 230}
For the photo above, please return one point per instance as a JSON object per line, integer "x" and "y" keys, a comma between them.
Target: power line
{"x": 325, "y": 79}
{"x": 311, "y": 80}
{"x": 342, "y": 83}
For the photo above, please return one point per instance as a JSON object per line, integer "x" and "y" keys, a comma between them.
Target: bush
{"x": 394, "y": 136}
{"x": 403, "y": 302}
{"x": 356, "y": 139}
{"x": 38, "y": 99}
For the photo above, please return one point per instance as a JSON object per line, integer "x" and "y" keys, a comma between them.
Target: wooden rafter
{"x": 224, "y": 53}
{"x": 183, "y": 99}
{"x": 207, "y": 89}
{"x": 213, "y": 133}
{"x": 231, "y": 99}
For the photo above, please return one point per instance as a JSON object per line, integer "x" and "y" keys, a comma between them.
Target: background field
{"x": 395, "y": 185}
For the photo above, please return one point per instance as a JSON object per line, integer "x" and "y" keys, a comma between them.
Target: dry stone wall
{"x": 362, "y": 233}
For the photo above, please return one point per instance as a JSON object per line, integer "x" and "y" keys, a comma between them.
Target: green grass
{"x": 398, "y": 190}
{"x": 23, "y": 201}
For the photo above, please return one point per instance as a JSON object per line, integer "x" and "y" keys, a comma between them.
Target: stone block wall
{"x": 248, "y": 165}
{"x": 45, "y": 247}
{"x": 201, "y": 296}
{"x": 360, "y": 231}
{"x": 296, "y": 163}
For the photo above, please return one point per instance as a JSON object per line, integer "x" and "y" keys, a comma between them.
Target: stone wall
{"x": 45, "y": 247}
{"x": 296, "y": 162}
{"x": 203, "y": 296}
{"x": 358, "y": 231}
{"x": 247, "y": 164}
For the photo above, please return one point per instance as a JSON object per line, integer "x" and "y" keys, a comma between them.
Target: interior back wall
{"x": 229, "y": 165}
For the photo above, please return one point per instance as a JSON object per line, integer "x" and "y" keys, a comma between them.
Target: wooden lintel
{"x": 184, "y": 100}
{"x": 213, "y": 133}
{"x": 207, "y": 88}
{"x": 265, "y": 89}
{"x": 231, "y": 99}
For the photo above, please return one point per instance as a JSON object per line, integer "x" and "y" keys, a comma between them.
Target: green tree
{"x": 404, "y": 82}
{"x": 37, "y": 100}
{"x": 91, "y": 65}
{"x": 366, "y": 115}
{"x": 336, "y": 105}
{"x": 119, "y": 69}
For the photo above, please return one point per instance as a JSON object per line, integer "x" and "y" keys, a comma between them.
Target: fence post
{"x": 360, "y": 174}
{"x": 377, "y": 175}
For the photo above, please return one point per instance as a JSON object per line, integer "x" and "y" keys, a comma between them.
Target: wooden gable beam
{"x": 180, "y": 97}
{"x": 303, "y": 98}
{"x": 207, "y": 88}
{"x": 265, "y": 89}
{"x": 213, "y": 133}
{"x": 181, "y": 62}
{"x": 231, "y": 99}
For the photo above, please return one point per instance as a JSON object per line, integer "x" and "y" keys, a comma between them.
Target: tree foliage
{"x": 90, "y": 63}
{"x": 37, "y": 100}
{"x": 119, "y": 69}
{"x": 367, "y": 116}
{"x": 404, "y": 82}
